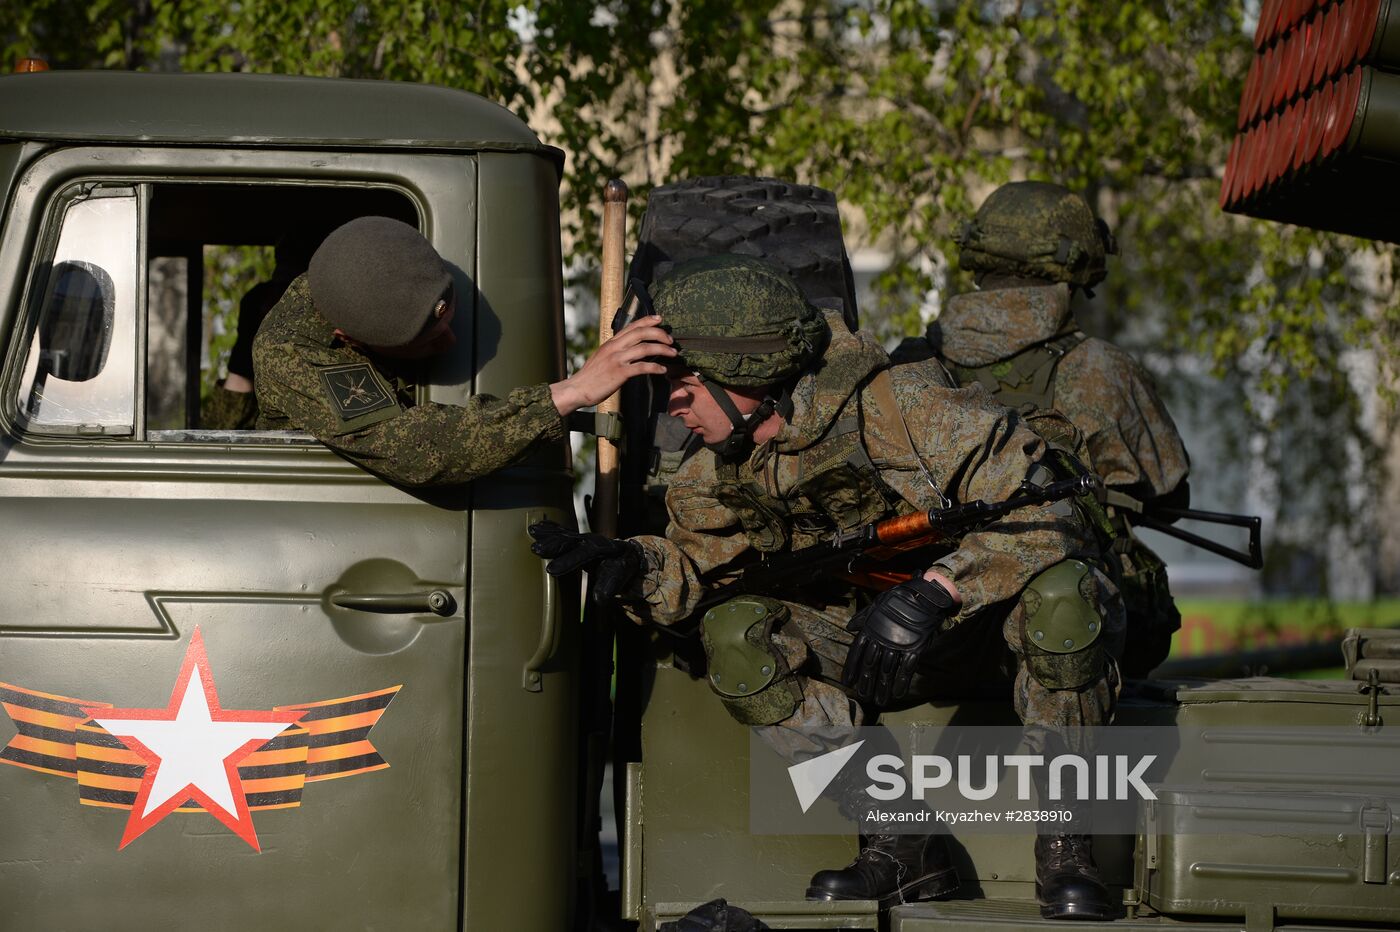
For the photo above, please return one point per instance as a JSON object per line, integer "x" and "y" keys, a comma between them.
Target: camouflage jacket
{"x": 971, "y": 448}
{"x": 226, "y": 410}
{"x": 1132, "y": 440}
{"x": 364, "y": 408}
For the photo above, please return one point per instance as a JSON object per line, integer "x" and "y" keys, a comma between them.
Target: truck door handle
{"x": 436, "y": 602}
{"x": 549, "y": 636}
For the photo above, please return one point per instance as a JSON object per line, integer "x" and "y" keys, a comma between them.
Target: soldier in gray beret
{"x": 337, "y": 358}
{"x": 379, "y": 282}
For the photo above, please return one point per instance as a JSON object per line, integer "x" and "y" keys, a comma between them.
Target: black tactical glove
{"x": 612, "y": 564}
{"x": 715, "y": 916}
{"x": 891, "y": 634}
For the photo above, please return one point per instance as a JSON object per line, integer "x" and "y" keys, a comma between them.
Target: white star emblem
{"x": 192, "y": 748}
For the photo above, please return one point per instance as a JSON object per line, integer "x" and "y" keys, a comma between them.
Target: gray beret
{"x": 378, "y": 279}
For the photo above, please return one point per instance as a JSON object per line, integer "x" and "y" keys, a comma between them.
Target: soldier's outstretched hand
{"x": 611, "y": 563}
{"x": 633, "y": 350}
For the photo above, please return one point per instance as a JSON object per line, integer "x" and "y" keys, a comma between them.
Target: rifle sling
{"x": 882, "y": 389}
{"x": 1122, "y": 500}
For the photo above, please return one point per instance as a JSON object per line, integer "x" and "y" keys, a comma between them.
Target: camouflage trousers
{"x": 982, "y": 656}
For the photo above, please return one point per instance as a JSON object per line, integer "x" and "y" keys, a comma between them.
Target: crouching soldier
{"x": 1031, "y": 245}
{"x": 811, "y": 432}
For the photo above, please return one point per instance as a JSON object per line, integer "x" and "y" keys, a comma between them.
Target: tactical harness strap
{"x": 843, "y": 446}
{"x": 1120, "y": 505}
{"x": 838, "y": 486}
{"x": 740, "y": 440}
{"x": 605, "y": 424}
{"x": 1026, "y": 382}
{"x": 883, "y": 390}
{"x": 1027, "y": 379}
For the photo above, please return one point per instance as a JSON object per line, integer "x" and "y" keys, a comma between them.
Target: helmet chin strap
{"x": 740, "y": 440}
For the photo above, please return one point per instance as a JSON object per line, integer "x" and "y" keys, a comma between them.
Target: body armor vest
{"x": 1026, "y": 381}
{"x": 838, "y": 488}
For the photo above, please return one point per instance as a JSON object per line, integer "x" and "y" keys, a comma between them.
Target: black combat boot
{"x": 892, "y": 869}
{"x": 1067, "y": 884}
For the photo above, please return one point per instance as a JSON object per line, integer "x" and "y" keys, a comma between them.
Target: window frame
{"x": 412, "y": 175}
{"x": 40, "y": 272}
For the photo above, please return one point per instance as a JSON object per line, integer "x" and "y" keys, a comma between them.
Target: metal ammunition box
{"x": 1345, "y": 867}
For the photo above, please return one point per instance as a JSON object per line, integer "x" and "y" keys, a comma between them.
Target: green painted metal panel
{"x": 1004, "y": 916}
{"x": 520, "y": 851}
{"x": 1345, "y": 868}
{"x": 694, "y": 815}
{"x": 691, "y": 799}
{"x": 118, "y": 551}
{"x": 11, "y": 158}
{"x": 255, "y": 110}
{"x": 144, "y": 561}
{"x": 696, "y": 844}
{"x": 1270, "y": 701}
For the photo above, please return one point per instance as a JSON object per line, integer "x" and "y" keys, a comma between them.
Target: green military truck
{"x": 429, "y": 783}
{"x": 362, "y": 706}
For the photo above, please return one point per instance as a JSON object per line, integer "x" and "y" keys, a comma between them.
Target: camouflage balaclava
{"x": 1033, "y": 229}
{"x": 742, "y": 323}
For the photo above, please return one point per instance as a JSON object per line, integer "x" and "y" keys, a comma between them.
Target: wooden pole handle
{"x": 605, "y": 488}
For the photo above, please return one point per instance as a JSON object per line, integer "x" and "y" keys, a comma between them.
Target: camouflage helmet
{"x": 740, "y": 322}
{"x": 1033, "y": 229}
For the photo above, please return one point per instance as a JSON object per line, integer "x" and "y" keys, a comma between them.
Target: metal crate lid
{"x": 1269, "y": 689}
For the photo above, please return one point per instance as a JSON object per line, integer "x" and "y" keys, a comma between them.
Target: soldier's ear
{"x": 345, "y": 338}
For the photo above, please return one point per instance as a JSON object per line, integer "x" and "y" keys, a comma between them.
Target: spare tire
{"x": 794, "y": 226}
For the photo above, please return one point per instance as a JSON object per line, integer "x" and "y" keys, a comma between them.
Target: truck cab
{"x": 421, "y": 643}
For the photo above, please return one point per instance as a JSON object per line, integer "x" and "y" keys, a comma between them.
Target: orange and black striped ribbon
{"x": 339, "y": 745}
{"x": 45, "y": 723}
{"x": 331, "y": 741}
{"x": 109, "y": 773}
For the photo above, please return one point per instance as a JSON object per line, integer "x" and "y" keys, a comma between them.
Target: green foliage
{"x": 910, "y": 109}
{"x": 231, "y": 272}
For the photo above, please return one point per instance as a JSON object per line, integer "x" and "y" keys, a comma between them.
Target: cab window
{"x": 149, "y": 291}
{"x": 80, "y": 374}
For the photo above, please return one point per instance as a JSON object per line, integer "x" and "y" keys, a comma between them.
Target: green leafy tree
{"x": 911, "y": 110}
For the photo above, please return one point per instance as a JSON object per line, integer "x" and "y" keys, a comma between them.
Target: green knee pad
{"x": 746, "y": 670}
{"x": 1063, "y": 635}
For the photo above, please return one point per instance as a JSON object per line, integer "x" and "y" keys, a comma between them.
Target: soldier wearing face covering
{"x": 1031, "y": 245}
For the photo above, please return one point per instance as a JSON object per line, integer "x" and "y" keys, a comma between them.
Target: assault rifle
{"x": 853, "y": 554}
{"x": 1160, "y": 517}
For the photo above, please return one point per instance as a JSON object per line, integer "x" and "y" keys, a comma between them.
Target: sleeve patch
{"x": 356, "y": 390}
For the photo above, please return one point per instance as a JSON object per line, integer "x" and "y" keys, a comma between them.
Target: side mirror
{"x": 75, "y": 329}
